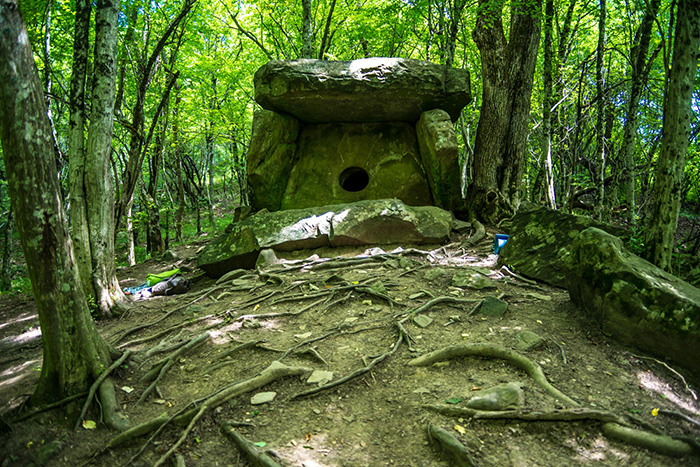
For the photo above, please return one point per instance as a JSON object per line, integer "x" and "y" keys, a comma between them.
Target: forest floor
{"x": 352, "y": 314}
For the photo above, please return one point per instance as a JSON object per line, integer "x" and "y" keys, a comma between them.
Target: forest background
{"x": 185, "y": 100}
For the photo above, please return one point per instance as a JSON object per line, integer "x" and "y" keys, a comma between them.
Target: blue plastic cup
{"x": 498, "y": 242}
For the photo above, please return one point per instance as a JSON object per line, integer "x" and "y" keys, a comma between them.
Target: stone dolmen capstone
{"x": 339, "y": 132}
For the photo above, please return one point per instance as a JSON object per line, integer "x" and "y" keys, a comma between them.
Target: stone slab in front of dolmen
{"x": 540, "y": 241}
{"x": 633, "y": 300}
{"x": 369, "y": 222}
{"x": 367, "y": 90}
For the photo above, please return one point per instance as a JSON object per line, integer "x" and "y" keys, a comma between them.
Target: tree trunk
{"x": 507, "y": 75}
{"x": 180, "y": 184}
{"x": 76, "y": 145}
{"x": 638, "y": 57}
{"x": 600, "y": 118}
{"x": 74, "y": 353}
{"x": 666, "y": 194}
{"x": 306, "y": 34}
{"x": 98, "y": 183}
{"x": 546, "y": 156}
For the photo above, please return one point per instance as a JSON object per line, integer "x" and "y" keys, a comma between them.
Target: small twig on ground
{"x": 254, "y": 457}
{"x": 680, "y": 376}
{"x": 561, "y": 349}
{"x": 451, "y": 446}
{"x": 673, "y": 413}
{"x": 96, "y": 385}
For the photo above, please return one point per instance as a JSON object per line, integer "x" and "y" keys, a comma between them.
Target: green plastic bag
{"x": 153, "y": 279}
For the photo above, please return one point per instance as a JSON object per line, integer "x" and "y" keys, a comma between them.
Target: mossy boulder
{"x": 540, "y": 242}
{"x": 633, "y": 300}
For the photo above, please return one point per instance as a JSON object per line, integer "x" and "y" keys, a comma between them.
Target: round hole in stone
{"x": 354, "y": 179}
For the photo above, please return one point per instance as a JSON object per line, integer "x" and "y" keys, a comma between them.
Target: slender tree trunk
{"x": 547, "y": 103}
{"x": 600, "y": 119}
{"x": 507, "y": 75}
{"x": 666, "y": 194}
{"x": 76, "y": 145}
{"x": 99, "y": 186}
{"x": 132, "y": 17}
{"x": 180, "y": 184}
{"x": 326, "y": 40}
{"x": 130, "y": 247}
{"x": 74, "y": 353}
{"x": 638, "y": 54}
{"x": 306, "y": 30}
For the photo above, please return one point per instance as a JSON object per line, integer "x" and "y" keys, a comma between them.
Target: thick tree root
{"x": 110, "y": 410}
{"x": 479, "y": 234}
{"x": 359, "y": 372}
{"x": 657, "y": 443}
{"x": 138, "y": 430}
{"x": 494, "y": 351}
{"x": 433, "y": 302}
{"x": 526, "y": 415}
{"x": 254, "y": 457}
{"x": 275, "y": 371}
{"x": 47, "y": 407}
{"x": 160, "y": 368}
{"x": 118, "y": 423}
{"x": 451, "y": 446}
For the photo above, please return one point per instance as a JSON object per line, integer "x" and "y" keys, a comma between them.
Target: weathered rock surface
{"x": 271, "y": 157}
{"x": 365, "y": 90}
{"x": 540, "y": 240}
{"x": 363, "y": 223}
{"x": 440, "y": 154}
{"x": 238, "y": 249}
{"x": 348, "y": 162}
{"x": 634, "y": 301}
{"x": 507, "y": 396}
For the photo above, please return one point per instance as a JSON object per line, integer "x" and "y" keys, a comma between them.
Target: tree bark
{"x": 76, "y": 145}
{"x": 666, "y": 194}
{"x": 74, "y": 352}
{"x": 5, "y": 278}
{"x": 98, "y": 183}
{"x": 507, "y": 75}
{"x": 306, "y": 34}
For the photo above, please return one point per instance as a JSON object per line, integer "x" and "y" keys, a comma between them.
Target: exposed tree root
{"x": 657, "y": 443}
{"x": 138, "y": 430}
{"x": 110, "y": 410}
{"x": 479, "y": 234}
{"x": 282, "y": 313}
{"x": 164, "y": 332}
{"x": 614, "y": 429}
{"x": 529, "y": 415}
{"x": 118, "y": 424}
{"x": 680, "y": 415}
{"x": 251, "y": 453}
{"x": 48, "y": 407}
{"x": 456, "y": 451}
{"x": 275, "y": 371}
{"x": 358, "y": 372}
{"x": 494, "y": 351}
{"x": 433, "y": 302}
{"x": 160, "y": 368}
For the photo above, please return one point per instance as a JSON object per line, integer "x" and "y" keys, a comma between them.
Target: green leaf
{"x": 453, "y": 400}
{"x": 260, "y": 444}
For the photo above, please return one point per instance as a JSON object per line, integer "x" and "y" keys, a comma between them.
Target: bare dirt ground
{"x": 339, "y": 312}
